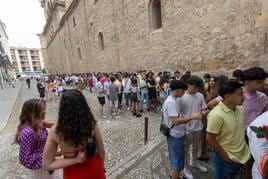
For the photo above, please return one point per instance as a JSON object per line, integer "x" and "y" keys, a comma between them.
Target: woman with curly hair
{"x": 31, "y": 136}
{"x": 78, "y": 135}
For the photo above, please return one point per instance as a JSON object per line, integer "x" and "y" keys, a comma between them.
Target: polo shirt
{"x": 229, "y": 126}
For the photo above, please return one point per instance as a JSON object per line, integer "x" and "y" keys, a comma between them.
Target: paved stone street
{"x": 126, "y": 154}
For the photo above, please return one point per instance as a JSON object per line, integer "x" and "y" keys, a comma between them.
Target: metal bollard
{"x": 145, "y": 130}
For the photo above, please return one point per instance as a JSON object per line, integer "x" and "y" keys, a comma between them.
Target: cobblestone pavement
{"x": 123, "y": 138}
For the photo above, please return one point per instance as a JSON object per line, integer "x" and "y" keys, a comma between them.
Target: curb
{"x": 133, "y": 160}
{"x": 2, "y": 127}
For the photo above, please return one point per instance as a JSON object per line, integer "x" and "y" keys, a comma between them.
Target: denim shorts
{"x": 113, "y": 103}
{"x": 176, "y": 152}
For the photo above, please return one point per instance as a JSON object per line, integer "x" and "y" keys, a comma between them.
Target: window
{"x": 74, "y": 23}
{"x": 155, "y": 14}
{"x": 79, "y": 53}
{"x": 101, "y": 42}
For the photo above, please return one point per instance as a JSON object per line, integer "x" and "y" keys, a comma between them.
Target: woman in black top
{"x": 151, "y": 90}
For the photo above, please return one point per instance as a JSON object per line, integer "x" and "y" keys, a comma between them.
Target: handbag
{"x": 164, "y": 129}
{"x": 91, "y": 146}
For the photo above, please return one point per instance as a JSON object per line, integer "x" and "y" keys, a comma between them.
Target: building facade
{"x": 26, "y": 59}
{"x": 111, "y": 35}
{"x": 5, "y": 56}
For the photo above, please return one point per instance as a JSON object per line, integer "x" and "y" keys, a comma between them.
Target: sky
{"x": 23, "y": 19}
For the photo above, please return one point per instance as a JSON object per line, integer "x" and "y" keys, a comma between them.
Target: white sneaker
{"x": 200, "y": 167}
{"x": 188, "y": 173}
{"x": 128, "y": 108}
{"x": 103, "y": 116}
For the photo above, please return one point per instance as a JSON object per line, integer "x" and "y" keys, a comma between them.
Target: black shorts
{"x": 101, "y": 100}
{"x": 152, "y": 94}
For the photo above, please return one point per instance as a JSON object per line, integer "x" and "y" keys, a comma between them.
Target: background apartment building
{"x": 5, "y": 56}
{"x": 26, "y": 59}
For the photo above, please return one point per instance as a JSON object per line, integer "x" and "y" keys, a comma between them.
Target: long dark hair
{"x": 75, "y": 120}
{"x": 30, "y": 115}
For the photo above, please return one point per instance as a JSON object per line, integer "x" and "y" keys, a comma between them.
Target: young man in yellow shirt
{"x": 225, "y": 132}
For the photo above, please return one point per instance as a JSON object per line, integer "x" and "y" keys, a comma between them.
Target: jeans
{"x": 144, "y": 96}
{"x": 128, "y": 99}
{"x": 224, "y": 169}
{"x": 120, "y": 99}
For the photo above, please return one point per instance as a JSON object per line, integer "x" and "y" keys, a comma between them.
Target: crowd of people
{"x": 228, "y": 114}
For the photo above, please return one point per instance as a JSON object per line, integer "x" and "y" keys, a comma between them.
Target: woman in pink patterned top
{"x": 31, "y": 136}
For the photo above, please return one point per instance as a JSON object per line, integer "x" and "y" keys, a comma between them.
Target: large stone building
{"x": 26, "y": 59}
{"x": 111, "y": 35}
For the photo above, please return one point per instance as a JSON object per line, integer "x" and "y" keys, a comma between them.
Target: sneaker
{"x": 103, "y": 116}
{"x": 138, "y": 115}
{"x": 200, "y": 167}
{"x": 114, "y": 113}
{"x": 128, "y": 108}
{"x": 188, "y": 173}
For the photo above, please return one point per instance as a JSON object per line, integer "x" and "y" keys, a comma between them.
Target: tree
{"x": 44, "y": 71}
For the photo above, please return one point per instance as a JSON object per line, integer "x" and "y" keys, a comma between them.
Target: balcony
{"x": 24, "y": 59}
{"x": 35, "y": 59}
{"x": 34, "y": 55}
{"x": 36, "y": 64}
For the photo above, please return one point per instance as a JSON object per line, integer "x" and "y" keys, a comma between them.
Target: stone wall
{"x": 203, "y": 35}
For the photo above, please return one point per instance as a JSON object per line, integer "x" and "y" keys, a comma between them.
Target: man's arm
{"x": 184, "y": 120}
{"x": 211, "y": 139}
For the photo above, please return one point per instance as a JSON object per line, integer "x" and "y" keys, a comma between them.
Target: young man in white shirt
{"x": 193, "y": 102}
{"x": 171, "y": 117}
{"x": 126, "y": 82}
{"x": 258, "y": 146}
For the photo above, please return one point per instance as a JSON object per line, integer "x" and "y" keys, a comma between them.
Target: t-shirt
{"x": 143, "y": 83}
{"x": 106, "y": 87}
{"x": 229, "y": 126}
{"x": 113, "y": 90}
{"x": 257, "y": 145}
{"x": 126, "y": 85}
{"x": 41, "y": 87}
{"x": 190, "y": 104}
{"x": 171, "y": 109}
{"x": 134, "y": 89}
{"x": 100, "y": 89}
{"x": 118, "y": 85}
{"x": 151, "y": 82}
{"x": 254, "y": 105}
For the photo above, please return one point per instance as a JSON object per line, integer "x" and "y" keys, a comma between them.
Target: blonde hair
{"x": 30, "y": 115}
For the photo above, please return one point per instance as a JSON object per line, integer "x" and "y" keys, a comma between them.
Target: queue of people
{"x": 216, "y": 117}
